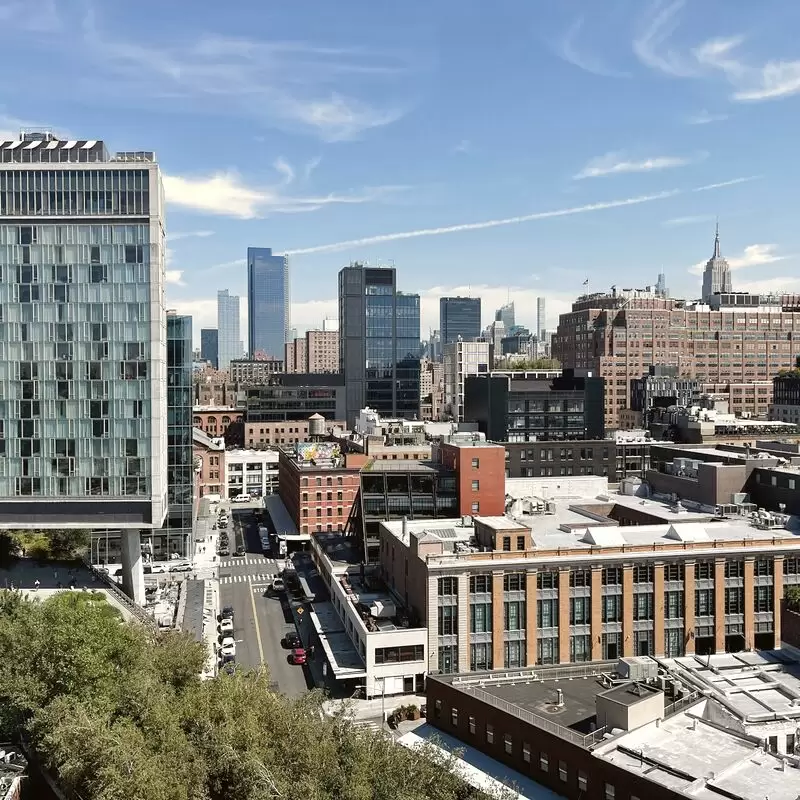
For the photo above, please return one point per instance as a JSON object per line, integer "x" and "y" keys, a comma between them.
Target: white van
{"x": 241, "y": 498}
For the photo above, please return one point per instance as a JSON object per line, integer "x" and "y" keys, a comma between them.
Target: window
{"x": 472, "y": 725}
{"x": 520, "y": 542}
{"x": 489, "y": 733}
{"x": 476, "y": 462}
{"x": 454, "y": 717}
{"x": 448, "y": 586}
{"x": 612, "y": 608}
{"x": 612, "y": 576}
{"x": 526, "y": 752}
{"x": 476, "y": 485}
{"x": 544, "y": 763}
{"x": 514, "y": 582}
{"x": 583, "y": 781}
{"x": 394, "y": 655}
{"x": 514, "y": 615}
{"x": 643, "y": 606}
{"x": 704, "y": 602}
{"x": 673, "y": 605}
{"x": 547, "y": 579}
{"x": 508, "y": 744}
{"x": 673, "y": 572}
{"x": 562, "y": 771}
{"x": 734, "y": 569}
{"x": 580, "y": 577}
{"x": 643, "y": 573}
{"x": 610, "y": 791}
{"x": 704, "y": 570}
{"x": 448, "y": 620}
{"x": 476, "y": 507}
{"x": 546, "y": 613}
{"x": 580, "y": 648}
{"x": 480, "y": 584}
{"x": 762, "y": 599}
{"x": 763, "y": 566}
{"x": 514, "y": 654}
{"x": 480, "y": 617}
{"x": 506, "y": 544}
{"x": 734, "y": 600}
{"x": 580, "y": 611}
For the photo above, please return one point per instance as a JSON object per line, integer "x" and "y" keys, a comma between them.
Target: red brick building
{"x": 318, "y": 485}
{"x": 480, "y": 468}
{"x": 215, "y": 420}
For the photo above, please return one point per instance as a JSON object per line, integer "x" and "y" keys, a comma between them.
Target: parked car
{"x": 226, "y": 613}
{"x": 223, "y": 551}
{"x": 298, "y": 656}
{"x": 241, "y": 498}
{"x": 278, "y": 585}
{"x": 181, "y": 568}
{"x": 227, "y": 660}
{"x": 240, "y": 551}
{"x": 226, "y": 627}
{"x": 292, "y": 641}
{"x": 228, "y": 646}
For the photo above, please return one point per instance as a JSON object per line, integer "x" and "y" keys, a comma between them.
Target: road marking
{"x": 258, "y": 630}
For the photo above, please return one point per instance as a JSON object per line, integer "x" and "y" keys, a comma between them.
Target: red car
{"x": 298, "y": 656}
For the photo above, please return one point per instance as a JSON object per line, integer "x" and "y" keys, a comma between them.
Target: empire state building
{"x": 717, "y": 274}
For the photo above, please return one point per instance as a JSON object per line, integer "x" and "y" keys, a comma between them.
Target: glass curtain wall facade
{"x": 209, "y": 346}
{"x": 379, "y": 344}
{"x": 83, "y": 436}
{"x": 268, "y": 302}
{"x": 459, "y": 317}
{"x": 229, "y": 340}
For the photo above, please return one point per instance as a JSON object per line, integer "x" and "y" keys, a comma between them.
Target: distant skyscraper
{"x": 717, "y": 274}
{"x": 459, "y": 317}
{"x": 378, "y": 343}
{"x": 209, "y": 346}
{"x": 505, "y": 314}
{"x": 268, "y": 302}
{"x": 661, "y": 286}
{"x": 541, "y": 318}
{"x": 229, "y": 343}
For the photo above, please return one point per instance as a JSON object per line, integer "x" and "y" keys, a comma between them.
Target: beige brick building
{"x": 317, "y": 351}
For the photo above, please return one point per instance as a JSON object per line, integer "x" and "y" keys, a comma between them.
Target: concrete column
{"x": 498, "y": 621}
{"x": 627, "y": 611}
{"x": 530, "y": 617}
{"x": 433, "y": 622}
{"x": 463, "y": 623}
{"x": 749, "y": 603}
{"x": 658, "y": 608}
{"x": 777, "y": 599}
{"x": 688, "y": 607}
{"x": 132, "y": 573}
{"x": 719, "y": 605}
{"x": 597, "y": 613}
{"x": 563, "y": 616}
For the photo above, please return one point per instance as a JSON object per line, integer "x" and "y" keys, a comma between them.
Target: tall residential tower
{"x": 379, "y": 345}
{"x": 83, "y": 364}
{"x": 268, "y": 302}
{"x": 229, "y": 342}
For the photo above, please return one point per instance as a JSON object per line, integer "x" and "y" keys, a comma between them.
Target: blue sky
{"x": 507, "y": 149}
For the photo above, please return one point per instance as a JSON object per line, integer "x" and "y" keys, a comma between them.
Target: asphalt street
{"x": 260, "y": 621}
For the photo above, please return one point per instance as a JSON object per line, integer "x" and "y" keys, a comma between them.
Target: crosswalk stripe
{"x": 260, "y": 577}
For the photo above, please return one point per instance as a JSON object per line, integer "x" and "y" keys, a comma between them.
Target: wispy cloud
{"x": 174, "y": 277}
{"x": 176, "y": 237}
{"x": 11, "y": 126}
{"x": 40, "y": 17}
{"x": 619, "y": 163}
{"x": 295, "y": 85}
{"x": 770, "y": 81}
{"x": 651, "y": 43}
{"x": 733, "y": 182}
{"x": 705, "y": 118}
{"x": 567, "y": 50}
{"x": 463, "y": 147}
{"x": 696, "y": 220}
{"x": 310, "y": 166}
{"x": 285, "y": 169}
{"x": 753, "y": 255}
{"x": 787, "y": 284}
{"x": 226, "y": 194}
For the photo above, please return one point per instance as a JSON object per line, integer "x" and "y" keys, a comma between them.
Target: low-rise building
{"x": 786, "y": 397}
{"x": 661, "y": 387}
{"x": 261, "y": 435}
{"x": 368, "y": 635}
{"x": 209, "y": 462}
{"x": 718, "y": 726}
{"x": 296, "y": 396}
{"x": 319, "y": 485}
{"x": 253, "y": 472}
{"x": 570, "y": 574}
{"x": 215, "y": 420}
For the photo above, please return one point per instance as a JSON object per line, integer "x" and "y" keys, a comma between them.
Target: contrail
{"x": 722, "y": 185}
{"x": 478, "y": 226}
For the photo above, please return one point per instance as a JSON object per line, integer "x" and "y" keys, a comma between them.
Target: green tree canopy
{"x": 119, "y": 714}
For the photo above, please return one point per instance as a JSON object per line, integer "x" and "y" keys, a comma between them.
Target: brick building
{"x": 215, "y": 420}
{"x": 209, "y": 455}
{"x": 317, "y": 351}
{"x": 319, "y": 485}
{"x": 254, "y": 371}
{"x": 738, "y": 338}
{"x": 480, "y": 475}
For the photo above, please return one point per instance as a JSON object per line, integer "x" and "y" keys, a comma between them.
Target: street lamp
{"x": 383, "y": 702}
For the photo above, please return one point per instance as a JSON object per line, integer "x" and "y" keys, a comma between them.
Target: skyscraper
{"x": 83, "y": 419}
{"x": 661, "y": 286}
{"x": 541, "y": 318}
{"x": 459, "y": 317}
{"x": 268, "y": 302}
{"x": 505, "y": 314}
{"x": 229, "y": 342}
{"x": 717, "y": 273}
{"x": 209, "y": 346}
{"x": 378, "y": 343}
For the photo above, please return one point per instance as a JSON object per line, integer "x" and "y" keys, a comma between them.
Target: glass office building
{"x": 229, "y": 340}
{"x": 379, "y": 344}
{"x": 459, "y": 317}
{"x": 268, "y": 303}
{"x": 83, "y": 405}
{"x": 209, "y": 346}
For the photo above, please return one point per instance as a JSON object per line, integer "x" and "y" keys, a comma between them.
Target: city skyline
{"x": 679, "y": 94}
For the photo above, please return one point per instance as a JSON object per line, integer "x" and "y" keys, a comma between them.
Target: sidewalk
{"x": 362, "y": 710}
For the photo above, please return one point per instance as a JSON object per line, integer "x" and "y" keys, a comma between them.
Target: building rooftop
{"x": 410, "y": 465}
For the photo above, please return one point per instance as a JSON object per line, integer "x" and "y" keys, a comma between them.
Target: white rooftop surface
{"x": 340, "y": 652}
{"x": 690, "y": 757}
{"x": 476, "y": 768}
{"x": 280, "y": 516}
